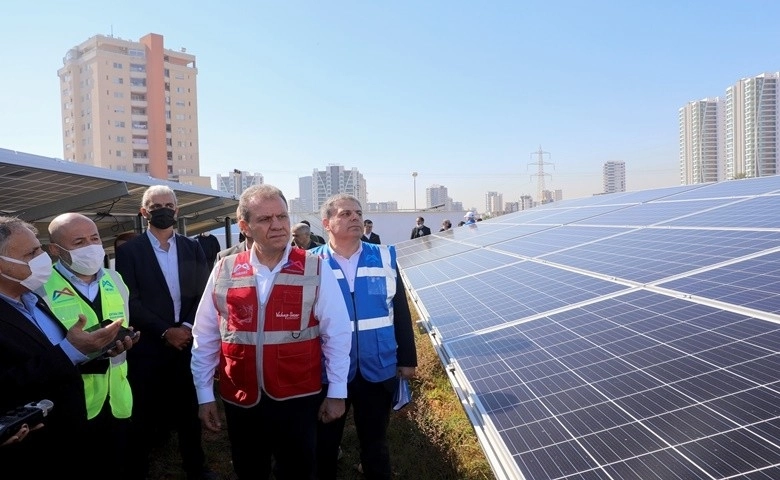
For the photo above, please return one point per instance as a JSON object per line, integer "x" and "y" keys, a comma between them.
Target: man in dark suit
{"x": 39, "y": 359}
{"x": 243, "y": 244}
{"x": 166, "y": 274}
{"x": 368, "y": 233}
{"x": 420, "y": 230}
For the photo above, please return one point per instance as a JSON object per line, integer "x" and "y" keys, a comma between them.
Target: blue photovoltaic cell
{"x": 750, "y": 213}
{"x": 622, "y": 346}
{"x": 645, "y": 214}
{"x": 556, "y": 238}
{"x": 455, "y": 267}
{"x": 753, "y": 283}
{"x": 640, "y": 396}
{"x": 580, "y": 214}
{"x": 521, "y": 289}
{"x": 754, "y": 186}
{"x": 414, "y": 253}
{"x": 651, "y": 254}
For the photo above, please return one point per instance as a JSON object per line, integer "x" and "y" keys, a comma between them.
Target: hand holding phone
{"x": 120, "y": 336}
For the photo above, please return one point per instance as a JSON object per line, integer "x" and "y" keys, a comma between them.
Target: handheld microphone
{"x": 32, "y": 414}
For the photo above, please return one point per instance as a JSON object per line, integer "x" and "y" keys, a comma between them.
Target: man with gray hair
{"x": 165, "y": 273}
{"x": 383, "y": 348}
{"x": 301, "y": 236}
{"x": 40, "y": 360}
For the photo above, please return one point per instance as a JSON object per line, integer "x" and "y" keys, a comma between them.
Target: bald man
{"x": 79, "y": 285}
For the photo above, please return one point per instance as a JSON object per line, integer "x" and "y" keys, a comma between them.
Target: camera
{"x": 32, "y": 414}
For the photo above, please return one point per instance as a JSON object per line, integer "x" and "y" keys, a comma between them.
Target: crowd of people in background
{"x": 287, "y": 330}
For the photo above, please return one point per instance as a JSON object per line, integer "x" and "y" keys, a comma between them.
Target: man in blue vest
{"x": 79, "y": 285}
{"x": 383, "y": 346}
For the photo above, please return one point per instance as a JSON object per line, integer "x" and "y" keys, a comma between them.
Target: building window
{"x": 119, "y": 124}
{"x": 119, "y": 95}
{"x": 137, "y": 67}
{"x": 117, "y": 65}
{"x": 119, "y": 139}
{"x": 119, "y": 109}
{"x": 119, "y": 153}
{"x": 118, "y": 80}
{"x": 135, "y": 52}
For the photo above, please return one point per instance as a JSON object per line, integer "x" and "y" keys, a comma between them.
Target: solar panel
{"x": 642, "y": 342}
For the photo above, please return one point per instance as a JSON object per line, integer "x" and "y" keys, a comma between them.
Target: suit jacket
{"x": 420, "y": 231}
{"x": 373, "y": 238}
{"x": 32, "y": 369}
{"x": 237, "y": 248}
{"x": 151, "y": 305}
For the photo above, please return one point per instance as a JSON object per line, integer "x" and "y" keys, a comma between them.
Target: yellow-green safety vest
{"x": 67, "y": 304}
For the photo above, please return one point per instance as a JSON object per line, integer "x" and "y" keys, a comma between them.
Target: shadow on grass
{"x": 430, "y": 439}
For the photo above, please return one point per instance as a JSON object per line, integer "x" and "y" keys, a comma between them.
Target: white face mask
{"x": 86, "y": 260}
{"x": 40, "y": 271}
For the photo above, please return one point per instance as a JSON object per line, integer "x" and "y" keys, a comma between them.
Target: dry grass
{"x": 430, "y": 439}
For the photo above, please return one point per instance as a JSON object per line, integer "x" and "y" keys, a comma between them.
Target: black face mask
{"x": 163, "y": 218}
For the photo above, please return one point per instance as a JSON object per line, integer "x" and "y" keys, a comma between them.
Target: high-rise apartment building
{"x": 306, "y": 194}
{"x": 237, "y": 181}
{"x": 614, "y": 177}
{"x": 750, "y": 143}
{"x": 391, "y": 206}
{"x": 437, "y": 196}
{"x": 131, "y": 106}
{"x": 494, "y": 203}
{"x": 335, "y": 179}
{"x": 700, "y": 127}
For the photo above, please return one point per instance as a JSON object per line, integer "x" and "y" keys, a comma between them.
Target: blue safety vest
{"x": 370, "y": 311}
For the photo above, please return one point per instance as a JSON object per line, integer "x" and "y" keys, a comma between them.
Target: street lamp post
{"x": 414, "y": 176}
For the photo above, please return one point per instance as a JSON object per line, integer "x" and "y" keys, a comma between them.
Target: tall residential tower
{"x": 614, "y": 177}
{"x": 131, "y": 106}
{"x": 700, "y": 155}
{"x": 751, "y": 127}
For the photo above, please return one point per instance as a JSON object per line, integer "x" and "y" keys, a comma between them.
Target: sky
{"x": 464, "y": 93}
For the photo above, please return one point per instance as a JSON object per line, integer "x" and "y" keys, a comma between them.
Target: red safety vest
{"x": 286, "y": 332}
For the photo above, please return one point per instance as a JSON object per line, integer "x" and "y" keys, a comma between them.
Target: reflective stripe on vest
{"x": 285, "y": 331}
{"x": 67, "y": 304}
{"x": 370, "y": 311}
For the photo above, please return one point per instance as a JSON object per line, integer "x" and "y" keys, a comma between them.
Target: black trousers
{"x": 283, "y": 429}
{"x": 371, "y": 404}
{"x": 164, "y": 399}
{"x": 109, "y": 437}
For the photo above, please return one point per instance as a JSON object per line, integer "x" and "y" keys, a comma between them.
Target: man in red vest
{"x": 268, "y": 319}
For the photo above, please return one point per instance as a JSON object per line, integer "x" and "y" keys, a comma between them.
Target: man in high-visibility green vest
{"x": 79, "y": 285}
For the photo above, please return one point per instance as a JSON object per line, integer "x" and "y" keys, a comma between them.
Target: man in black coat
{"x": 420, "y": 230}
{"x": 368, "y": 233}
{"x": 166, "y": 273}
{"x": 39, "y": 360}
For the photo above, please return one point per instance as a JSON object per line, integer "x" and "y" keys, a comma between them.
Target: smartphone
{"x": 120, "y": 335}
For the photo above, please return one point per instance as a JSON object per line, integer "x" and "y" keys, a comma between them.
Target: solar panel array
{"x": 633, "y": 335}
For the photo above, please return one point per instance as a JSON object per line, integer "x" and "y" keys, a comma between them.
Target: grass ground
{"x": 430, "y": 439}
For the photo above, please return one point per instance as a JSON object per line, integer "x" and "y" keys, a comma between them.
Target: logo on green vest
{"x": 59, "y": 293}
{"x": 107, "y": 285}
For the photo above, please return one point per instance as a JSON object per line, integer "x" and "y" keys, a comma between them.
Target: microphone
{"x": 32, "y": 414}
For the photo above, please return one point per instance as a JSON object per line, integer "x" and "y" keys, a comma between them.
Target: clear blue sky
{"x": 460, "y": 91}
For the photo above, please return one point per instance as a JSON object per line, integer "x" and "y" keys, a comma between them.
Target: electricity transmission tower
{"x": 540, "y": 163}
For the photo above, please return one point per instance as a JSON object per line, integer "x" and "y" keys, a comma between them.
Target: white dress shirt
{"x": 329, "y": 309}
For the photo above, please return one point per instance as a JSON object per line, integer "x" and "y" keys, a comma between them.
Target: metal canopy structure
{"x": 38, "y": 189}
{"x": 632, "y": 335}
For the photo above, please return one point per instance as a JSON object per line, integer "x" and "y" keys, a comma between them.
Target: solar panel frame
{"x": 645, "y": 378}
